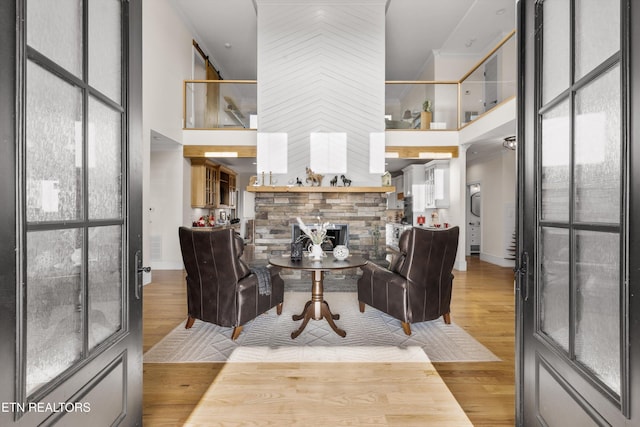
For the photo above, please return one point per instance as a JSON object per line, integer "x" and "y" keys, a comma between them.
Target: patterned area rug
{"x": 371, "y": 336}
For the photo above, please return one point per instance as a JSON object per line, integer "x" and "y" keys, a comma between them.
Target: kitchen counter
{"x": 217, "y": 227}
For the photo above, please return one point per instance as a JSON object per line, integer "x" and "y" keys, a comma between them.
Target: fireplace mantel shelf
{"x": 303, "y": 189}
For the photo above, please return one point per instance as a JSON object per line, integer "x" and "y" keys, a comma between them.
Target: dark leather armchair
{"x": 417, "y": 285}
{"x": 221, "y": 289}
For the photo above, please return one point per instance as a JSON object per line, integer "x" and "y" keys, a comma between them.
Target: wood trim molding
{"x": 196, "y": 151}
{"x": 296, "y": 189}
{"x": 413, "y": 152}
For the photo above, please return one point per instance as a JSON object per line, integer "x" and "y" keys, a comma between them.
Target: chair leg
{"x": 279, "y": 309}
{"x": 447, "y": 318}
{"x": 406, "y": 328}
{"x": 236, "y": 332}
{"x": 361, "y": 306}
{"x": 190, "y": 321}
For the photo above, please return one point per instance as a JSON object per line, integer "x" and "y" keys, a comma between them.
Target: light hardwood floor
{"x": 338, "y": 394}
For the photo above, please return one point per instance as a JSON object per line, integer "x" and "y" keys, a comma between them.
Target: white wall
{"x": 497, "y": 176}
{"x": 166, "y": 62}
{"x": 165, "y": 210}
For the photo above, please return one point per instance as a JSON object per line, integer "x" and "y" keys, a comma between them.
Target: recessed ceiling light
{"x": 227, "y": 45}
{"x": 500, "y": 11}
{"x": 433, "y": 155}
{"x": 221, "y": 154}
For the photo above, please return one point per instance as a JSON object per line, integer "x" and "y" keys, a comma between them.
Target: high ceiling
{"x": 415, "y": 30}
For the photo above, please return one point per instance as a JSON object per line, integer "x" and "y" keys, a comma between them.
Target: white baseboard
{"x": 160, "y": 265}
{"x": 460, "y": 265}
{"x": 496, "y": 260}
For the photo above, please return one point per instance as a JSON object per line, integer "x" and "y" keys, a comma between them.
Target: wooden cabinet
{"x": 212, "y": 185}
{"x": 414, "y": 186}
{"x": 437, "y": 179}
{"x": 204, "y": 179}
{"x": 473, "y": 237}
{"x": 413, "y": 179}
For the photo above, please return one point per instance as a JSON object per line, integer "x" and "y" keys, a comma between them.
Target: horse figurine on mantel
{"x": 314, "y": 178}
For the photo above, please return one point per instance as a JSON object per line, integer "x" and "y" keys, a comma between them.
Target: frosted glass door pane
{"x": 54, "y": 147}
{"x": 554, "y": 285}
{"x": 555, "y": 48}
{"x": 54, "y": 303}
{"x": 597, "y": 33}
{"x": 597, "y": 150}
{"x": 105, "y": 283}
{"x": 54, "y": 28}
{"x": 598, "y": 304}
{"x": 105, "y": 161}
{"x": 105, "y": 47}
{"x": 555, "y": 163}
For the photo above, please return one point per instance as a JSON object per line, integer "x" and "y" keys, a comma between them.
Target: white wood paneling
{"x": 321, "y": 69}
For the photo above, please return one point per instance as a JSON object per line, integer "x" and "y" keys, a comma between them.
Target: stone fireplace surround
{"x": 275, "y": 214}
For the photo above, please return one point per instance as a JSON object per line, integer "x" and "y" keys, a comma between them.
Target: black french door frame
{"x": 529, "y": 19}
{"x": 124, "y": 348}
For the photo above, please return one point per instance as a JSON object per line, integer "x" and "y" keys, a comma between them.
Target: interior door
{"x": 71, "y": 306}
{"x": 577, "y": 307}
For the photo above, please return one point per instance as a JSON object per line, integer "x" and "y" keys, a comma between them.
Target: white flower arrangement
{"x": 317, "y": 233}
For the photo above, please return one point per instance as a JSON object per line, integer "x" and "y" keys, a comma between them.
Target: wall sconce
{"x": 510, "y": 143}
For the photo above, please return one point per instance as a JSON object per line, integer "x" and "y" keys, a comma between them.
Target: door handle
{"x": 522, "y": 274}
{"x": 139, "y": 270}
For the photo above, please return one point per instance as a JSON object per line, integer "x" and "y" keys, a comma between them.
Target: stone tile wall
{"x": 364, "y": 212}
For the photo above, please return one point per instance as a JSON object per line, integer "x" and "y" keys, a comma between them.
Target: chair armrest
{"x": 382, "y": 276}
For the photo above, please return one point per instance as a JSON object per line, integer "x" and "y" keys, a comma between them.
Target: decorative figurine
{"x": 345, "y": 181}
{"x": 334, "y": 181}
{"x": 314, "y": 178}
{"x": 341, "y": 252}
{"x": 298, "y": 182}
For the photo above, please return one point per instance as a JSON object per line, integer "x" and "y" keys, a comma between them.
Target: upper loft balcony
{"x": 410, "y": 106}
